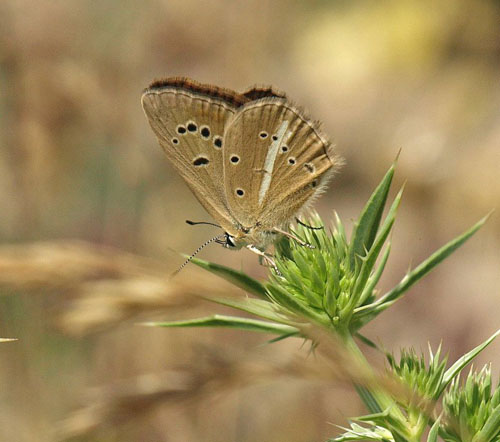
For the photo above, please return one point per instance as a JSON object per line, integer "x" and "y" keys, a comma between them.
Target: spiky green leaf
{"x": 295, "y": 305}
{"x": 258, "y": 307}
{"x": 239, "y": 279}
{"x": 375, "y": 277}
{"x": 366, "y": 228}
{"x": 372, "y": 310}
{"x": 457, "y": 367}
{"x": 392, "y": 419}
{"x": 367, "y": 341}
{"x": 373, "y": 253}
{"x": 359, "y": 433}
{"x": 229, "y": 322}
{"x": 490, "y": 430}
{"x": 368, "y": 399}
{"x": 434, "y": 431}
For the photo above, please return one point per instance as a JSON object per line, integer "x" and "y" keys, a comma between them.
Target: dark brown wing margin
{"x": 227, "y": 95}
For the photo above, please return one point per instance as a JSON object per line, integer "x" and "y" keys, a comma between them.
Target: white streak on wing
{"x": 270, "y": 160}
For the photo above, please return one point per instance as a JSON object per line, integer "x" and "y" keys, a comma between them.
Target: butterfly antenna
{"x": 195, "y": 223}
{"x": 198, "y": 250}
{"x": 308, "y": 226}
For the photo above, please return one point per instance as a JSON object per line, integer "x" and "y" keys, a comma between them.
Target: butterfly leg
{"x": 294, "y": 237}
{"x": 263, "y": 256}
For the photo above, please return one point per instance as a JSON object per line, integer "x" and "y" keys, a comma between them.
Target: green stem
{"x": 375, "y": 398}
{"x": 382, "y": 400}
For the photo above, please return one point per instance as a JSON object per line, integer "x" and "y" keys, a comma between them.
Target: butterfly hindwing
{"x": 253, "y": 160}
{"x": 275, "y": 161}
{"x": 189, "y": 119}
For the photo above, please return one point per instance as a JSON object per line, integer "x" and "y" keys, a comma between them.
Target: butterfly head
{"x": 235, "y": 237}
{"x": 241, "y": 236}
{"x": 230, "y": 242}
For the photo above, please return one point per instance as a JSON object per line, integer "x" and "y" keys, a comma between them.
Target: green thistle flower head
{"x": 413, "y": 371}
{"x": 472, "y": 410}
{"x": 321, "y": 277}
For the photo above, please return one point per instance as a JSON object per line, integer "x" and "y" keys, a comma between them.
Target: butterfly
{"x": 253, "y": 160}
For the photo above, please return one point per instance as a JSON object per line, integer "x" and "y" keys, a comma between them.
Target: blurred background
{"x": 92, "y": 214}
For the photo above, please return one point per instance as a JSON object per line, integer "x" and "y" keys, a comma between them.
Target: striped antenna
{"x": 198, "y": 250}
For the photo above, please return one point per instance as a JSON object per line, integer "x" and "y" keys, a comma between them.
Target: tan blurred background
{"x": 78, "y": 161}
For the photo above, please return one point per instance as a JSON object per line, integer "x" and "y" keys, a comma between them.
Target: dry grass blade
{"x": 101, "y": 286}
{"x": 101, "y": 304}
{"x": 97, "y": 305}
{"x": 116, "y": 404}
{"x": 221, "y": 370}
{"x": 218, "y": 370}
{"x": 43, "y": 265}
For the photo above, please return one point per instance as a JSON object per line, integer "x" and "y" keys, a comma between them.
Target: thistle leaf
{"x": 258, "y": 307}
{"x": 366, "y": 228}
{"x": 367, "y": 341}
{"x": 359, "y": 433}
{"x": 490, "y": 428}
{"x": 375, "y": 277}
{"x": 368, "y": 399}
{"x": 239, "y": 279}
{"x": 434, "y": 431}
{"x": 421, "y": 270}
{"x": 371, "y": 257}
{"x": 229, "y": 322}
{"x": 457, "y": 367}
{"x": 295, "y": 305}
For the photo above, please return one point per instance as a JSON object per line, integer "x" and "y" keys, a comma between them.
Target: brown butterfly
{"x": 252, "y": 159}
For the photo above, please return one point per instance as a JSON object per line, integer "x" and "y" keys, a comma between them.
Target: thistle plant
{"x": 332, "y": 286}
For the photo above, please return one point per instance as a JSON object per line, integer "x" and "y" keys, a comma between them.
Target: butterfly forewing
{"x": 275, "y": 161}
{"x": 188, "y": 120}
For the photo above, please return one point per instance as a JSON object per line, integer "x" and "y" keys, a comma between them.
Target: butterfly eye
{"x": 181, "y": 130}
{"x": 263, "y": 135}
{"x": 291, "y": 161}
{"x": 192, "y": 127}
{"x": 205, "y": 132}
{"x": 235, "y": 159}
{"x": 201, "y": 161}
{"x": 314, "y": 184}
{"x": 217, "y": 141}
{"x": 240, "y": 192}
{"x": 175, "y": 141}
